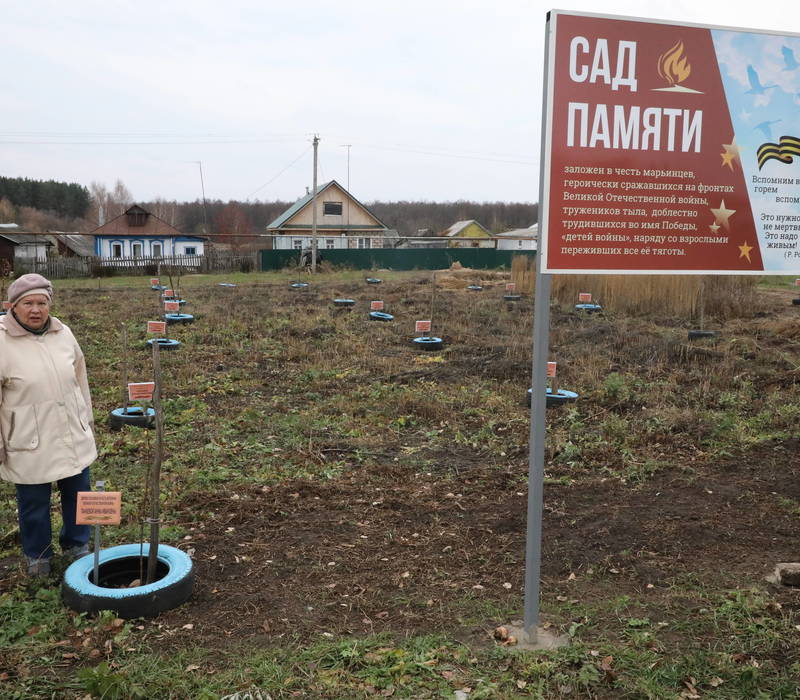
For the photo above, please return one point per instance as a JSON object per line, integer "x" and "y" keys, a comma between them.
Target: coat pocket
{"x": 83, "y": 410}
{"x": 21, "y": 429}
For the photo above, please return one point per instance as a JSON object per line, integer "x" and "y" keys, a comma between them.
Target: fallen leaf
{"x": 266, "y": 626}
{"x": 715, "y": 682}
{"x": 501, "y": 633}
{"x": 507, "y": 585}
{"x": 191, "y": 667}
{"x": 522, "y": 684}
{"x": 94, "y": 653}
{"x": 190, "y": 626}
{"x": 606, "y": 663}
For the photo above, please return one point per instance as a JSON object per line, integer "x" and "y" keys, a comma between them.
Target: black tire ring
{"x": 694, "y": 335}
{"x": 136, "y": 417}
{"x": 428, "y": 342}
{"x": 119, "y": 566}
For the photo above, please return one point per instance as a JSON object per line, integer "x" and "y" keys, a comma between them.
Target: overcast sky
{"x": 439, "y": 99}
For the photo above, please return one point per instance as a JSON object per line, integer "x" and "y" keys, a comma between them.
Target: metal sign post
{"x": 99, "y": 486}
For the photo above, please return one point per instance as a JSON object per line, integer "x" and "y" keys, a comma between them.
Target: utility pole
{"x": 314, "y": 211}
{"x": 348, "y": 146}
{"x": 203, "y": 190}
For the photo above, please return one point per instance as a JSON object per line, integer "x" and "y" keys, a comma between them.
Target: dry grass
{"x": 689, "y": 296}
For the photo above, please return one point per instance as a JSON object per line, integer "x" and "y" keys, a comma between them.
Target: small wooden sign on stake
{"x": 422, "y": 326}
{"x": 585, "y": 297}
{"x": 141, "y": 391}
{"x": 551, "y": 373}
{"x": 172, "y": 306}
{"x": 99, "y": 508}
{"x": 168, "y": 293}
{"x": 511, "y": 287}
{"x": 376, "y": 305}
{"x": 154, "y": 281}
{"x": 157, "y": 327}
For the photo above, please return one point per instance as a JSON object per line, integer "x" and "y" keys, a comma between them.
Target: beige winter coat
{"x": 45, "y": 407}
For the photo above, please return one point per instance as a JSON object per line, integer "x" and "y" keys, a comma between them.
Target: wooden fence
{"x": 61, "y": 267}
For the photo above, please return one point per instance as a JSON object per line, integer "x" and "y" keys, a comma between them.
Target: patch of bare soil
{"x": 389, "y": 550}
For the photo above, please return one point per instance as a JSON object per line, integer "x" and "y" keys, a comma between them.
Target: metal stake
{"x": 124, "y": 369}
{"x": 99, "y": 486}
{"x": 155, "y": 477}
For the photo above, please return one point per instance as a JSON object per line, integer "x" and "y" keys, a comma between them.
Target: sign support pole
{"x": 100, "y": 486}
{"x": 536, "y": 441}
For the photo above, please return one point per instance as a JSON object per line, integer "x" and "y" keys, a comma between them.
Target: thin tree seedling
{"x": 433, "y": 297}
{"x": 155, "y": 475}
{"x": 124, "y": 369}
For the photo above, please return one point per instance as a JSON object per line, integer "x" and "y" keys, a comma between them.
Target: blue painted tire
{"x": 512, "y": 297}
{"x": 695, "y": 335}
{"x": 589, "y": 308}
{"x": 380, "y": 316}
{"x": 428, "y": 342}
{"x": 562, "y": 396}
{"x": 298, "y": 285}
{"x": 226, "y": 284}
{"x": 136, "y": 416}
{"x": 179, "y": 318}
{"x": 181, "y": 302}
{"x": 475, "y": 288}
{"x": 158, "y": 287}
{"x": 119, "y": 566}
{"x": 344, "y": 302}
{"x": 164, "y": 343}
{"x": 373, "y": 280}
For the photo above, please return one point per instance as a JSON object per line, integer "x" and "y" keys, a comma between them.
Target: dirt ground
{"x": 386, "y": 548}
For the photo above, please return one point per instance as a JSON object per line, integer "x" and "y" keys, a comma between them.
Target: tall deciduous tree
{"x": 107, "y": 205}
{"x": 234, "y": 226}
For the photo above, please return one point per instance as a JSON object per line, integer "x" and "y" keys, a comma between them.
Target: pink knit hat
{"x": 25, "y": 285}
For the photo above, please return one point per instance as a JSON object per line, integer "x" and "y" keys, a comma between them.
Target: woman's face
{"x": 33, "y": 310}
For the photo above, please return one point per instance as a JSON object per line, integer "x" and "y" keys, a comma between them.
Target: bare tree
{"x": 107, "y": 205}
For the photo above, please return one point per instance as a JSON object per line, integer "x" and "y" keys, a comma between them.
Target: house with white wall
{"x": 342, "y": 222}
{"x": 139, "y": 234}
{"x": 518, "y": 239}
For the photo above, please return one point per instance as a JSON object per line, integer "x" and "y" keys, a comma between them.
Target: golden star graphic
{"x": 744, "y": 251}
{"x": 732, "y": 153}
{"x": 714, "y": 227}
{"x": 722, "y": 215}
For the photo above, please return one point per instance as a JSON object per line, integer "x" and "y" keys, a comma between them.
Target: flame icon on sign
{"x": 674, "y": 67}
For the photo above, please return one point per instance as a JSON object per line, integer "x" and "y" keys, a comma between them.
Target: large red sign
{"x": 643, "y": 169}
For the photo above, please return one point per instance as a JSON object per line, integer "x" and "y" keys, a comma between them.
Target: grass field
{"x": 355, "y": 508}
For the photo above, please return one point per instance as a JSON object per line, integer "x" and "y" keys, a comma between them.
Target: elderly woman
{"x": 45, "y": 420}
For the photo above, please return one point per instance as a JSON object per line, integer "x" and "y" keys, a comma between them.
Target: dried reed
{"x": 690, "y": 296}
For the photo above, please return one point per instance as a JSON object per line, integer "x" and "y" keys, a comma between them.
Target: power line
{"x": 269, "y": 182}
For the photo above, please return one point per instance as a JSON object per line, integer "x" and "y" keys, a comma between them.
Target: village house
{"x": 342, "y": 222}
{"x": 139, "y": 234}
{"x": 479, "y": 236}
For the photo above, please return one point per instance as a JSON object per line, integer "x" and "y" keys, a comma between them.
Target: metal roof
{"x": 303, "y": 201}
